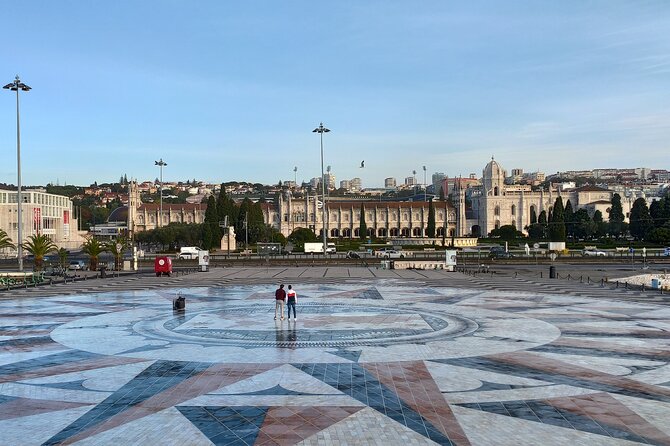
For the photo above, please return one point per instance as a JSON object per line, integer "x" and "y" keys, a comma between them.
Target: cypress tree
{"x": 569, "y": 218}
{"x": 430, "y": 228}
{"x": 542, "y": 222}
{"x": 557, "y": 226}
{"x": 616, "y": 224}
{"x": 211, "y": 232}
{"x": 363, "y": 227}
{"x": 640, "y": 220}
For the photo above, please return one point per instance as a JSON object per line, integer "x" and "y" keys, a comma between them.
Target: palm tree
{"x": 5, "y": 241}
{"x": 116, "y": 248}
{"x": 39, "y": 246}
{"x": 62, "y": 257}
{"x": 93, "y": 248}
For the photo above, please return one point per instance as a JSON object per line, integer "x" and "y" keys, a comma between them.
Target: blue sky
{"x": 232, "y": 90}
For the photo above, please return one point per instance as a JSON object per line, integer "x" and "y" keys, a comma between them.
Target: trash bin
{"x": 552, "y": 272}
{"x": 179, "y": 304}
{"x": 103, "y": 272}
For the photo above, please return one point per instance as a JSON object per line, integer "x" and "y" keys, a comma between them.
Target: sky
{"x": 231, "y": 91}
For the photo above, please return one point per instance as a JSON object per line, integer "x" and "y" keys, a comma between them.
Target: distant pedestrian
{"x": 280, "y": 297}
{"x": 290, "y": 303}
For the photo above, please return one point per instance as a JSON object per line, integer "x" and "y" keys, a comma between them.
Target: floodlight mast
{"x": 17, "y": 86}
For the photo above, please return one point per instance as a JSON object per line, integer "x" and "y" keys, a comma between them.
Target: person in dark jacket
{"x": 280, "y": 297}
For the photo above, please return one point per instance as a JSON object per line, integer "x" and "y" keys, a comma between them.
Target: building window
{"x": 416, "y": 232}
{"x": 513, "y": 210}
{"x": 496, "y": 211}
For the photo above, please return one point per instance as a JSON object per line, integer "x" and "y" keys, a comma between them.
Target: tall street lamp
{"x": 425, "y": 185}
{"x": 17, "y": 86}
{"x": 321, "y": 130}
{"x": 160, "y": 163}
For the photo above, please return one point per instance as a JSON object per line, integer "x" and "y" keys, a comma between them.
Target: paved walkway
{"x": 375, "y": 357}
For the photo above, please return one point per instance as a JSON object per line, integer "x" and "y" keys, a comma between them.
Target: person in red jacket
{"x": 290, "y": 303}
{"x": 280, "y": 297}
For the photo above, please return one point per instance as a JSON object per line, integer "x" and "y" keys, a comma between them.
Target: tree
{"x": 301, "y": 236}
{"x": 657, "y": 212}
{"x": 226, "y": 207}
{"x": 212, "y": 233}
{"x": 659, "y": 235}
{"x": 640, "y": 220}
{"x": 582, "y": 226}
{"x": 600, "y": 225}
{"x": 568, "y": 218}
{"x": 5, "y": 241}
{"x": 557, "y": 226}
{"x": 616, "y": 224}
{"x": 363, "y": 227}
{"x": 93, "y": 248}
{"x": 538, "y": 231}
{"x": 507, "y": 232}
{"x": 62, "y": 257}
{"x": 39, "y": 246}
{"x": 430, "y": 227}
{"x": 116, "y": 248}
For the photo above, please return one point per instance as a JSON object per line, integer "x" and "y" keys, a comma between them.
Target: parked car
{"x": 594, "y": 253}
{"x": 666, "y": 251}
{"x": 77, "y": 265}
{"x": 393, "y": 254}
{"x": 498, "y": 252}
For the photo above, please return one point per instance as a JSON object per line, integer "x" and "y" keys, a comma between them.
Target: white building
{"x": 390, "y": 183}
{"x": 41, "y": 213}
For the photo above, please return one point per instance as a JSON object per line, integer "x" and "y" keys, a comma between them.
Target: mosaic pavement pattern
{"x": 380, "y": 362}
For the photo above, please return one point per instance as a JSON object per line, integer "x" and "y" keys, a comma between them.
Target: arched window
{"x": 346, "y": 232}
{"x": 497, "y": 224}
{"x": 495, "y": 191}
{"x": 394, "y": 232}
{"x": 452, "y": 233}
{"x": 357, "y": 232}
{"x": 381, "y": 232}
{"x": 440, "y": 232}
{"x": 513, "y": 210}
{"x": 496, "y": 211}
{"x": 416, "y": 232}
{"x": 370, "y": 232}
{"x": 405, "y": 232}
{"x": 405, "y": 217}
{"x": 335, "y": 232}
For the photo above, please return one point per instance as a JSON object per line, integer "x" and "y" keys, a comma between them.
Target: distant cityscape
{"x": 472, "y": 205}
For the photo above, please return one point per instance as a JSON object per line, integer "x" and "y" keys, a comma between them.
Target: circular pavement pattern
{"x": 335, "y": 324}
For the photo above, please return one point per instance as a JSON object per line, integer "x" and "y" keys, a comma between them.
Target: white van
{"x": 189, "y": 252}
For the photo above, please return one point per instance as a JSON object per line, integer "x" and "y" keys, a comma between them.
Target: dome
{"x": 493, "y": 170}
{"x": 118, "y": 215}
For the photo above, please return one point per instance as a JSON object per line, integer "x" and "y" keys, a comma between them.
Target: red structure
{"x": 163, "y": 265}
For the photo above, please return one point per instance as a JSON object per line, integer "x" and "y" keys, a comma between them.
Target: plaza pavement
{"x": 376, "y": 357}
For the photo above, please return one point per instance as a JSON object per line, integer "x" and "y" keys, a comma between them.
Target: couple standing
{"x": 290, "y": 297}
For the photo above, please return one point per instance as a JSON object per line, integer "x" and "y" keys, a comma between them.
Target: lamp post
{"x": 17, "y": 86}
{"x": 295, "y": 177}
{"x": 425, "y": 185}
{"x": 160, "y": 163}
{"x": 321, "y": 130}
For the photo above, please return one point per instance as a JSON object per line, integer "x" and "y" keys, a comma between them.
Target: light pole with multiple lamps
{"x": 160, "y": 163}
{"x": 17, "y": 86}
{"x": 321, "y": 130}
